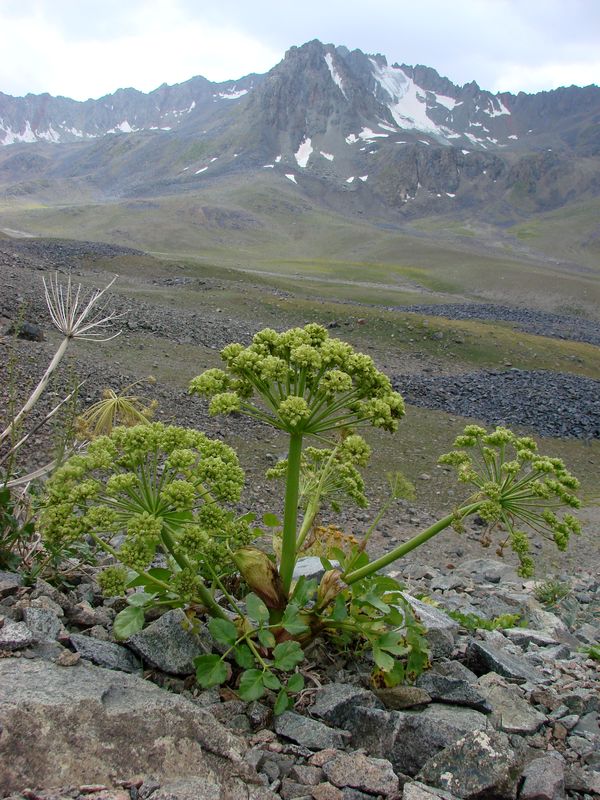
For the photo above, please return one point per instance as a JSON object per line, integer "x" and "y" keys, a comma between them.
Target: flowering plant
{"x": 161, "y": 488}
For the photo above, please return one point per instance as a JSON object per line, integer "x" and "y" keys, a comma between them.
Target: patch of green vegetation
{"x": 472, "y": 622}
{"x": 551, "y": 591}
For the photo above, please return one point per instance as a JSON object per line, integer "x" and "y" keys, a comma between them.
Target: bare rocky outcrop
{"x": 82, "y": 725}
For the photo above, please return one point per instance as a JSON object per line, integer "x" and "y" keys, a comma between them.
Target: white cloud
{"x": 539, "y": 77}
{"x": 85, "y": 48}
{"x": 157, "y": 44}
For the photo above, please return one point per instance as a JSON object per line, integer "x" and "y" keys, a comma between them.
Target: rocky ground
{"x": 503, "y": 713}
{"x": 578, "y": 329}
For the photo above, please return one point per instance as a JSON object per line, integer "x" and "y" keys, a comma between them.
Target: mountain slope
{"x": 345, "y": 132}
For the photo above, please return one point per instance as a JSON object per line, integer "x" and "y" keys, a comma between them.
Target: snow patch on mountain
{"x": 12, "y": 137}
{"x": 335, "y": 75}
{"x": 328, "y": 156}
{"x": 406, "y": 101}
{"x": 303, "y": 153}
{"x": 233, "y": 94}
{"x": 447, "y": 102}
{"x": 366, "y": 134}
{"x": 496, "y": 112}
{"x": 291, "y": 177}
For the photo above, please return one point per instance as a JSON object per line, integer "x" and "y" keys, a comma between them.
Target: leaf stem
{"x": 406, "y": 547}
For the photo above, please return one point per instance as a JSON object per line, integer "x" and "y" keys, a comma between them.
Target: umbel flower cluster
{"x": 160, "y": 488}
{"x": 516, "y": 487}
{"x": 331, "y": 474}
{"x": 308, "y": 383}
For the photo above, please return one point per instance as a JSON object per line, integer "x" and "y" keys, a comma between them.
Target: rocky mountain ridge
{"x": 350, "y": 131}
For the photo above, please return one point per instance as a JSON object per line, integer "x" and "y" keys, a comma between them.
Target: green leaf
{"x": 128, "y": 622}
{"x": 383, "y": 583}
{"x": 375, "y": 601}
{"x": 271, "y": 681}
{"x": 266, "y": 638}
{"x": 140, "y": 598}
{"x": 271, "y": 521}
{"x": 395, "y": 617}
{"x": 282, "y": 703}
{"x": 339, "y": 556}
{"x": 250, "y": 516}
{"x": 339, "y": 613}
{"x": 243, "y": 656}
{"x": 287, "y": 655}
{"x": 383, "y": 660}
{"x": 161, "y": 573}
{"x": 251, "y": 685}
{"x": 291, "y": 620}
{"x": 256, "y": 609}
{"x": 223, "y": 631}
{"x": 295, "y": 683}
{"x": 211, "y": 670}
{"x": 390, "y": 638}
{"x": 304, "y": 590}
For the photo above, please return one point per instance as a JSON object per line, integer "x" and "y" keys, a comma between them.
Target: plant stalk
{"x": 39, "y": 389}
{"x": 290, "y": 514}
{"x": 406, "y": 547}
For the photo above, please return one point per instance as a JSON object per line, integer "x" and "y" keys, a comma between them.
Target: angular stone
{"x": 454, "y": 669}
{"x": 480, "y": 764}
{"x": 544, "y": 779}
{"x": 86, "y": 724}
{"x": 105, "y": 654}
{"x": 333, "y": 701}
{"x": 293, "y": 790}
{"x": 488, "y": 570}
{"x": 408, "y": 738}
{"x": 207, "y": 788}
{"x": 400, "y": 697}
{"x": 326, "y": 791}
{"x": 168, "y": 645}
{"x": 440, "y": 628}
{"x": 310, "y": 567}
{"x": 548, "y": 623}
{"x": 308, "y": 732}
{"x": 43, "y": 624}
{"x": 10, "y": 583}
{"x": 582, "y": 780}
{"x": 483, "y": 657}
{"x": 84, "y": 615}
{"x": 15, "y": 635}
{"x": 373, "y": 775}
{"x": 453, "y": 691}
{"x": 526, "y": 636}
{"x": 309, "y": 776}
{"x": 419, "y": 791}
{"x": 588, "y": 723}
{"x": 510, "y": 711}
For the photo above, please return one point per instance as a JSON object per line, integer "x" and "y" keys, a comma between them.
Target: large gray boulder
{"x": 87, "y": 725}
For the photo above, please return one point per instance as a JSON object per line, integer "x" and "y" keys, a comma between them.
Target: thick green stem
{"x": 290, "y": 513}
{"x": 406, "y": 547}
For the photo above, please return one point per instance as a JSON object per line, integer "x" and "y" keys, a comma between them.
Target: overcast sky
{"x": 88, "y": 48}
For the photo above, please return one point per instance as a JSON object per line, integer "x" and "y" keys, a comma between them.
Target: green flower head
{"x": 520, "y": 491}
{"x": 303, "y": 382}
